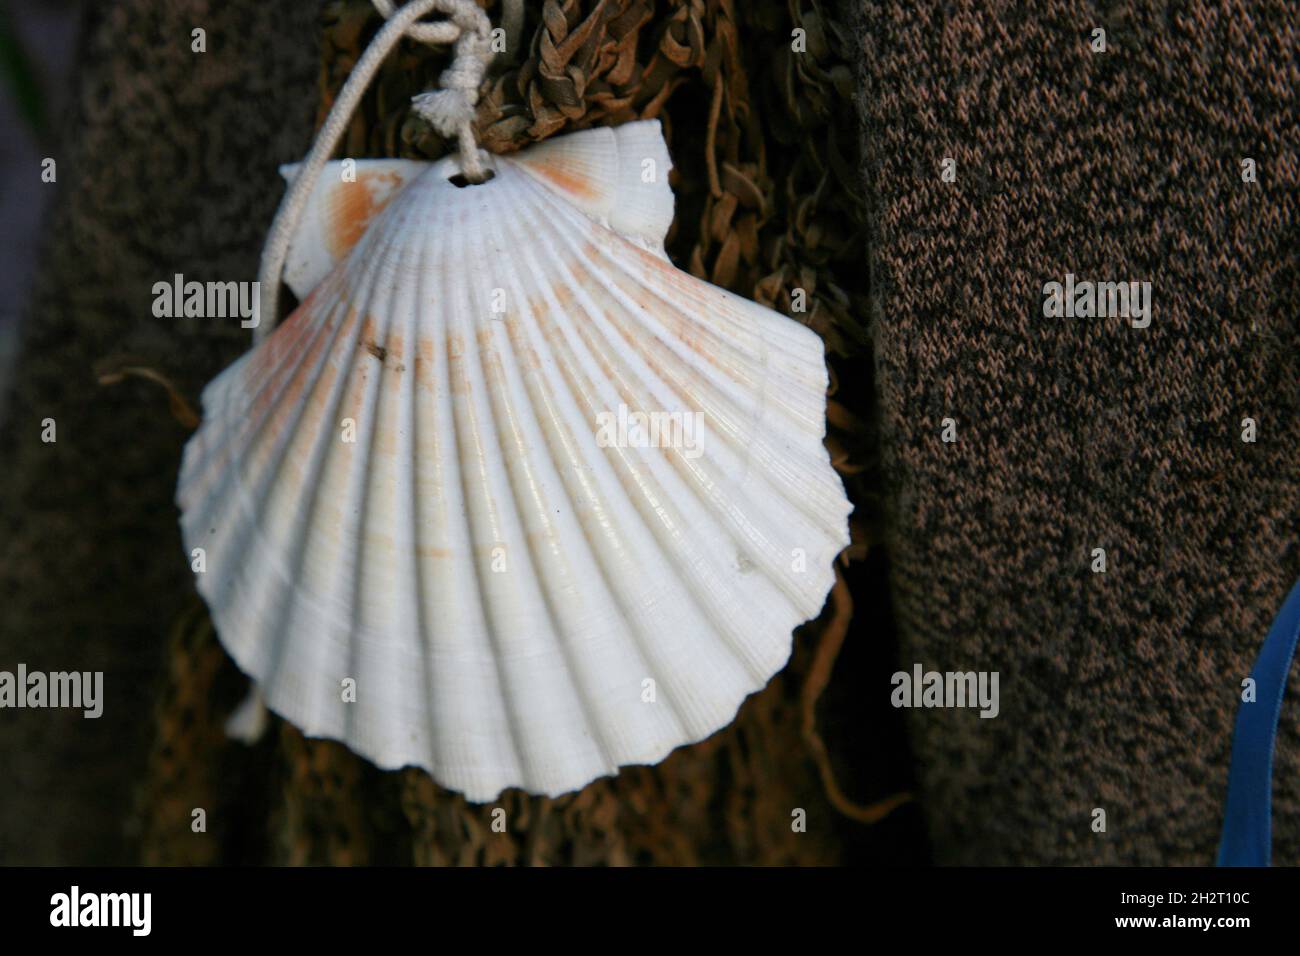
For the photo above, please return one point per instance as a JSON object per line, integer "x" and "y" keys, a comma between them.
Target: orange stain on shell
{"x": 424, "y": 364}
{"x": 565, "y": 179}
{"x": 352, "y": 206}
{"x": 456, "y": 363}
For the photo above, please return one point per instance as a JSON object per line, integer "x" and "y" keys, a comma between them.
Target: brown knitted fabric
{"x": 1118, "y": 690}
{"x": 168, "y": 166}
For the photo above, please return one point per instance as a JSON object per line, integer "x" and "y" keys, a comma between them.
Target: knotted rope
{"x": 450, "y": 110}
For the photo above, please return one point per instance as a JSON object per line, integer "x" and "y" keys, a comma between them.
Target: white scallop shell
{"x": 501, "y": 580}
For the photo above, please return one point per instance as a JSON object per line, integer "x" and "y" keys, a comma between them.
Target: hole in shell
{"x": 460, "y": 182}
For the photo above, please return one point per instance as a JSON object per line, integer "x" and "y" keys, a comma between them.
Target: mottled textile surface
{"x": 168, "y": 166}
{"x": 1118, "y": 689}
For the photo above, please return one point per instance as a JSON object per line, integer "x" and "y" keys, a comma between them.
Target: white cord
{"x": 450, "y": 110}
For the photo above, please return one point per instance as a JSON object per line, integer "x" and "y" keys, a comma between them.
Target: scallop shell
{"x": 515, "y": 590}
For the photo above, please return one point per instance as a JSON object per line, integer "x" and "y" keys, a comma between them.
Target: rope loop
{"x": 450, "y": 110}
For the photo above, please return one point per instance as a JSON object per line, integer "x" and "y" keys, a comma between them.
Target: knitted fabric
{"x": 1118, "y": 689}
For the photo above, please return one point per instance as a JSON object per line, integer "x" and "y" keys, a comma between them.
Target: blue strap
{"x": 1247, "y": 822}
